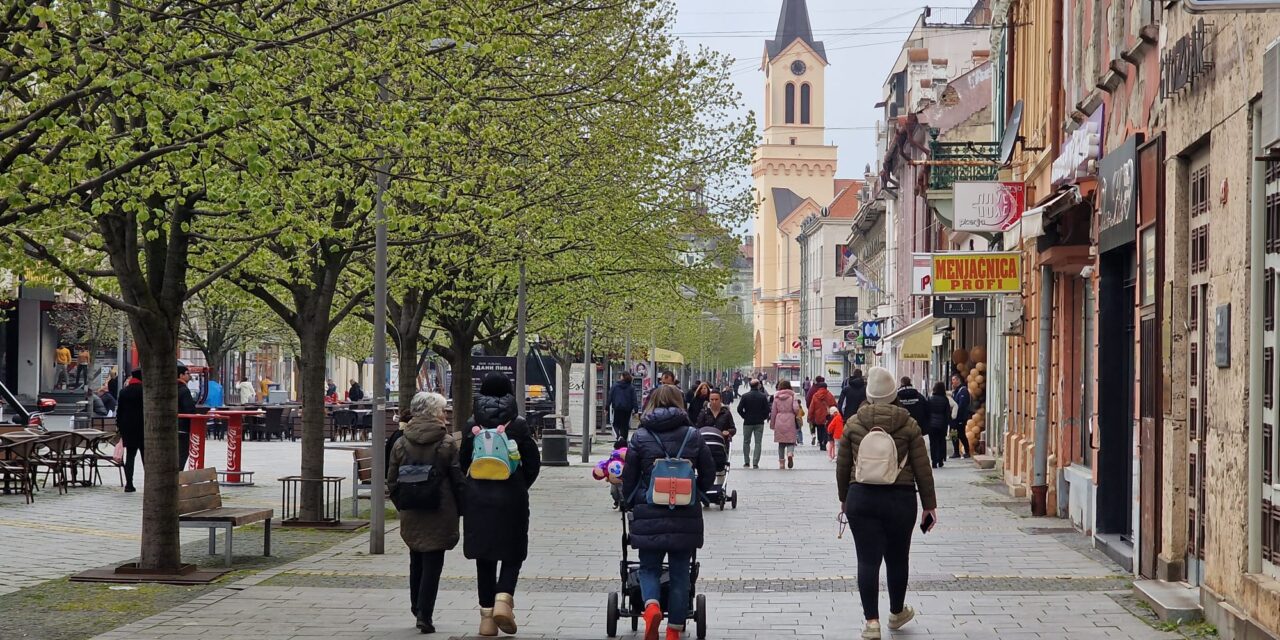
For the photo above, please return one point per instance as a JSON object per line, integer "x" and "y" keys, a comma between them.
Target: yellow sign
{"x": 918, "y": 345}
{"x": 669, "y": 357}
{"x": 977, "y": 273}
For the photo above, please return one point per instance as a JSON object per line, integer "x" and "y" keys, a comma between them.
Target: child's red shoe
{"x": 674, "y": 634}
{"x": 652, "y": 618}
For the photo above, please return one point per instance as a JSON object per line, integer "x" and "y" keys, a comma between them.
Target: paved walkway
{"x": 771, "y": 569}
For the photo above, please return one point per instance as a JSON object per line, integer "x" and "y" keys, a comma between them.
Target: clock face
{"x": 798, "y": 67}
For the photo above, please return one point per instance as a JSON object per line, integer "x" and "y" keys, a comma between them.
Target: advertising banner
{"x": 921, "y": 274}
{"x": 1118, "y": 196}
{"x": 988, "y": 206}
{"x": 977, "y": 273}
{"x": 482, "y": 366}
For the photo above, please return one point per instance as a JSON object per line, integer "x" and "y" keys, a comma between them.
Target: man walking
{"x": 853, "y": 395}
{"x": 61, "y": 361}
{"x": 914, "y": 402}
{"x": 129, "y": 424}
{"x": 753, "y": 408}
{"x": 186, "y": 404}
{"x": 820, "y": 403}
{"x": 964, "y": 411}
{"x": 83, "y": 359}
{"x": 622, "y": 401}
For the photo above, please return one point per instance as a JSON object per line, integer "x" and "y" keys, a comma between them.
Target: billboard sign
{"x": 921, "y": 274}
{"x": 977, "y": 273}
{"x": 988, "y": 206}
{"x": 482, "y": 366}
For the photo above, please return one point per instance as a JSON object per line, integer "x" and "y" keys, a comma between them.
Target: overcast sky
{"x": 862, "y": 37}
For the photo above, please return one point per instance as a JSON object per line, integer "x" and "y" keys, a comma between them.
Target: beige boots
{"x": 504, "y": 613}
{"x": 501, "y": 617}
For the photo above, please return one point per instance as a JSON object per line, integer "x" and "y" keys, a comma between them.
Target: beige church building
{"x": 794, "y": 176}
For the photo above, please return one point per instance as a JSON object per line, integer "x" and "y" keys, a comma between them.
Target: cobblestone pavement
{"x": 94, "y": 526}
{"x": 771, "y": 568}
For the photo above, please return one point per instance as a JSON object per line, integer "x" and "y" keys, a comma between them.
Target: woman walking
{"x": 428, "y": 532}
{"x": 496, "y": 512}
{"x": 659, "y": 530}
{"x": 129, "y": 424}
{"x": 939, "y": 419}
{"x": 698, "y": 399}
{"x": 784, "y": 419}
{"x": 719, "y": 416}
{"x": 877, "y": 488}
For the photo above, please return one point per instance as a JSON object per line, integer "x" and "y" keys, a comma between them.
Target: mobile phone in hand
{"x": 927, "y": 523}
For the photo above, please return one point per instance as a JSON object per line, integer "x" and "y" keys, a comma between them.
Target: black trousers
{"x": 823, "y": 436}
{"x": 959, "y": 439}
{"x": 881, "y": 519}
{"x": 424, "y": 582}
{"x": 937, "y": 446}
{"x": 184, "y": 448}
{"x": 622, "y": 426}
{"x": 490, "y": 582}
{"x": 82, "y": 374}
{"x": 129, "y": 452}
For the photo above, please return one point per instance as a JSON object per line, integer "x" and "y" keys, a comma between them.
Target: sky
{"x": 862, "y": 38}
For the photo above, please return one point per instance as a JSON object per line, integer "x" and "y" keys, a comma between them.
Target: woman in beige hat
{"x": 877, "y": 488}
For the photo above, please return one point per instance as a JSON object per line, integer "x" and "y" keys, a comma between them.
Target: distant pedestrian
{"x": 264, "y": 389}
{"x": 97, "y": 407}
{"x": 83, "y": 360}
{"x": 728, "y": 394}
{"x": 657, "y": 530}
{"x": 853, "y": 395}
{"x": 108, "y": 399}
{"x": 186, "y": 404}
{"x": 877, "y": 480}
{"x": 496, "y": 513}
{"x": 622, "y": 401}
{"x": 914, "y": 402}
{"x": 213, "y": 397}
{"x": 835, "y": 431}
{"x": 753, "y": 408}
{"x": 807, "y": 385}
{"x": 428, "y": 532}
{"x": 330, "y": 389}
{"x": 939, "y": 423}
{"x": 113, "y": 383}
{"x": 963, "y": 412}
{"x": 61, "y": 362}
{"x": 719, "y": 416}
{"x": 355, "y": 393}
{"x": 697, "y": 399}
{"x": 820, "y": 402}
{"x": 129, "y": 424}
{"x": 245, "y": 390}
{"x": 784, "y": 420}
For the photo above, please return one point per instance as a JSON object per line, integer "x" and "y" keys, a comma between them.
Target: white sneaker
{"x": 897, "y": 620}
{"x": 872, "y": 631}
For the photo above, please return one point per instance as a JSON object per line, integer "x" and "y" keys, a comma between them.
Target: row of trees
{"x": 162, "y": 156}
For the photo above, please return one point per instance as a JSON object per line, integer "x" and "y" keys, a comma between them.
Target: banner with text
{"x": 988, "y": 206}
{"x": 977, "y": 273}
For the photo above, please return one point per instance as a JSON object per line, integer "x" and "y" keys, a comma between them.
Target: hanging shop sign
{"x": 945, "y": 308}
{"x": 852, "y": 335}
{"x": 977, "y": 273}
{"x": 921, "y": 274}
{"x": 870, "y": 334}
{"x": 1080, "y": 153}
{"x": 1185, "y": 62}
{"x": 988, "y": 206}
{"x": 1118, "y": 196}
{"x": 816, "y": 343}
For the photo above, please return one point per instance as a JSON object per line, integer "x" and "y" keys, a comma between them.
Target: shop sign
{"x": 859, "y": 358}
{"x": 852, "y": 335}
{"x": 1118, "y": 196}
{"x": 944, "y": 308}
{"x": 1222, "y": 337}
{"x": 482, "y": 366}
{"x": 1184, "y": 62}
{"x": 870, "y": 334}
{"x": 816, "y": 343}
{"x": 977, "y": 273}
{"x": 921, "y": 274}
{"x": 1080, "y": 152}
{"x": 988, "y": 206}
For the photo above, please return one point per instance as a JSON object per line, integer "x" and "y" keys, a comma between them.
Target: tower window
{"x": 793, "y": 141}
{"x": 804, "y": 103}
{"x": 791, "y": 103}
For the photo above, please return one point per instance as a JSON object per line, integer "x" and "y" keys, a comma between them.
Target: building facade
{"x": 828, "y": 298}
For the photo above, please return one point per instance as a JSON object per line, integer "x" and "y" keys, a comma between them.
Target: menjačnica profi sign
{"x": 1118, "y": 196}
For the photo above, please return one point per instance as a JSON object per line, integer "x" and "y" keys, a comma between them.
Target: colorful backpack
{"x": 493, "y": 455}
{"x": 671, "y": 479}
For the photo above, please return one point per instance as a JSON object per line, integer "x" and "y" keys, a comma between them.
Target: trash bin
{"x": 555, "y": 448}
{"x": 79, "y": 421}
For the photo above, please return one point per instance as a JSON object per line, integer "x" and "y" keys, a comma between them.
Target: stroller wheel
{"x": 734, "y": 499}
{"x": 611, "y": 621}
{"x": 722, "y": 503}
{"x": 700, "y": 616}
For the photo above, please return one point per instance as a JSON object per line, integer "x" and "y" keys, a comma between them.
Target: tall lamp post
{"x": 377, "y": 499}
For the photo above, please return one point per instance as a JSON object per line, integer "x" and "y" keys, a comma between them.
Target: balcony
{"x": 960, "y": 161}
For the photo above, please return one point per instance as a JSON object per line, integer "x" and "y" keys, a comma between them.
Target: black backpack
{"x": 418, "y": 487}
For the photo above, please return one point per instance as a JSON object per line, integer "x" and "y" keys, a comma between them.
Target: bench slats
{"x": 236, "y": 516}
{"x": 202, "y": 503}
{"x": 364, "y": 462}
{"x": 192, "y": 491}
{"x": 194, "y": 476}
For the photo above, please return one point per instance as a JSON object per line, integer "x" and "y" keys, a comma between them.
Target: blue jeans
{"x": 677, "y": 588}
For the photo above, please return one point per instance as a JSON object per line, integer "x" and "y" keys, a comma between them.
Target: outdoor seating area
{"x": 31, "y": 460}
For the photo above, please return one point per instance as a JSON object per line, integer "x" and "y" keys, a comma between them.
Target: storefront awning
{"x": 916, "y": 340}
{"x": 669, "y": 357}
{"x": 1032, "y": 223}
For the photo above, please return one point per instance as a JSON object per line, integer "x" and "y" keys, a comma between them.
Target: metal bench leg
{"x": 355, "y": 490}
{"x": 213, "y": 541}
{"x": 229, "y": 545}
{"x": 266, "y": 540}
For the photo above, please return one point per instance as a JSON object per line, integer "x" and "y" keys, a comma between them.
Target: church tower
{"x": 794, "y": 176}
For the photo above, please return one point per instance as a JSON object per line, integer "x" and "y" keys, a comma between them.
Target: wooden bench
{"x": 200, "y": 506}
{"x": 361, "y": 478}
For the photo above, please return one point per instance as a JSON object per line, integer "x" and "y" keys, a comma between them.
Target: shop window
{"x": 1269, "y": 309}
{"x": 1192, "y": 377}
{"x": 1193, "y": 422}
{"x": 1269, "y": 370}
{"x": 1200, "y": 191}
{"x": 1200, "y": 249}
{"x": 1194, "y": 321}
{"x": 1268, "y": 460}
{"x": 846, "y": 311}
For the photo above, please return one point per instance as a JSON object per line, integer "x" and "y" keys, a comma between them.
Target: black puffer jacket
{"x": 495, "y": 522}
{"x": 915, "y": 403}
{"x": 129, "y": 414}
{"x": 852, "y": 397}
{"x": 939, "y": 413}
{"x": 659, "y": 527}
{"x": 753, "y": 407}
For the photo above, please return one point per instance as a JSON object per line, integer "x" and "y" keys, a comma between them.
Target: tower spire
{"x": 793, "y": 24}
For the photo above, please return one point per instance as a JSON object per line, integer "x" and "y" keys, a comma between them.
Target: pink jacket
{"x": 782, "y": 417}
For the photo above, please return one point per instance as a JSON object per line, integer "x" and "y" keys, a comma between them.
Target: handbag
{"x": 118, "y": 454}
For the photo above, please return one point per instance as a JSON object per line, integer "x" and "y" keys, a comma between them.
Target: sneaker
{"x": 652, "y": 618}
{"x": 129, "y": 489}
{"x": 674, "y": 634}
{"x": 954, "y": 456}
{"x": 896, "y": 620}
{"x": 871, "y": 631}
{"x": 426, "y": 627}
{"x": 966, "y": 456}
{"x": 755, "y": 466}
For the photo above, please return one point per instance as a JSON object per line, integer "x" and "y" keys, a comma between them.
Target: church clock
{"x": 798, "y": 67}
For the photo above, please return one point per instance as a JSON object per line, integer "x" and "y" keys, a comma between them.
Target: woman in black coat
{"x": 659, "y": 531}
{"x": 939, "y": 419}
{"x": 129, "y": 424}
{"x": 495, "y": 518}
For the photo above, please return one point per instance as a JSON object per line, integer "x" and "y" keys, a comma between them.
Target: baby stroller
{"x": 719, "y": 494}
{"x": 629, "y": 602}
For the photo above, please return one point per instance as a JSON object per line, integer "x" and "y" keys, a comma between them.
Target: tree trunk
{"x": 407, "y": 353}
{"x": 462, "y": 392}
{"x": 312, "y": 339}
{"x": 161, "y": 542}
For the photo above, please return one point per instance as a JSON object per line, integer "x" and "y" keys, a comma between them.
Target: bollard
{"x": 555, "y": 448}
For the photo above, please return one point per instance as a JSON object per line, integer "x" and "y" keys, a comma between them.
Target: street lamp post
{"x": 377, "y": 500}
{"x": 588, "y": 376}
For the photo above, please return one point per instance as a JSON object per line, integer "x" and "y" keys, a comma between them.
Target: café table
{"x": 234, "y": 475}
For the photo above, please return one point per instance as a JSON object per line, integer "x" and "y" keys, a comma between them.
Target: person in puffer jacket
{"x": 659, "y": 531}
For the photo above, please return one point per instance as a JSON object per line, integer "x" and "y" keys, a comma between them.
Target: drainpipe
{"x": 1055, "y": 83}
{"x": 1257, "y": 230}
{"x": 1040, "y": 468}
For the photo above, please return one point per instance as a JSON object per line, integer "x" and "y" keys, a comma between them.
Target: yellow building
{"x": 794, "y": 176}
